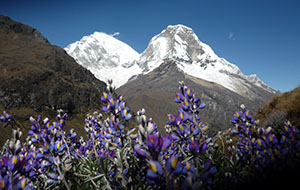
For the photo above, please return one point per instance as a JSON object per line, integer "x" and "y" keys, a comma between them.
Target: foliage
{"x": 112, "y": 157}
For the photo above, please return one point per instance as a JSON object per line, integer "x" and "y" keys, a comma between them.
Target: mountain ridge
{"x": 180, "y": 44}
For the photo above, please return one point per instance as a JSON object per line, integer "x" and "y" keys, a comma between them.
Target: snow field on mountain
{"x": 109, "y": 58}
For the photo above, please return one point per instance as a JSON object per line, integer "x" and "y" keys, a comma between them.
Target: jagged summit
{"x": 176, "y": 43}
{"x": 179, "y": 26}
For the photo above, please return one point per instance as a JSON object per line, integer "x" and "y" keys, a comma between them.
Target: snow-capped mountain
{"x": 108, "y": 58}
{"x": 180, "y": 44}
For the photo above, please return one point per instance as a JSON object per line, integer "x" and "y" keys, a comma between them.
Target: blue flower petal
{"x": 202, "y": 105}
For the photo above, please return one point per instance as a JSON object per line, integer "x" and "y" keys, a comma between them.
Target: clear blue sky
{"x": 259, "y": 36}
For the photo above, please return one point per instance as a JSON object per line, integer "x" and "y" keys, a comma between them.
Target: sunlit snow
{"x": 109, "y": 58}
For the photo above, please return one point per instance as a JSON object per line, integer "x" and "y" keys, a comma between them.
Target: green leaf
{"x": 93, "y": 178}
{"x": 188, "y": 158}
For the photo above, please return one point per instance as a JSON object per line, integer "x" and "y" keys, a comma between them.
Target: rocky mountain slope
{"x": 156, "y": 90}
{"x": 39, "y": 78}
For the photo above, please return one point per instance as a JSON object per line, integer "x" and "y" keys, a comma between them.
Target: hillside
{"x": 156, "y": 90}
{"x": 288, "y": 102}
{"x": 39, "y": 78}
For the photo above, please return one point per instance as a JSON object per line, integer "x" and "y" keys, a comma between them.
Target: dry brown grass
{"x": 288, "y": 102}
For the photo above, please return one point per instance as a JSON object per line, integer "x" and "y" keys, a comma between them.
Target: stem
{"x": 94, "y": 184}
{"x": 12, "y": 181}
{"x": 222, "y": 143}
{"x": 63, "y": 177}
{"x": 94, "y": 148}
{"x": 179, "y": 147}
{"x": 63, "y": 138}
{"x": 108, "y": 186}
{"x": 81, "y": 175}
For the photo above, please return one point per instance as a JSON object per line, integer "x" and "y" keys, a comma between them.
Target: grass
{"x": 288, "y": 102}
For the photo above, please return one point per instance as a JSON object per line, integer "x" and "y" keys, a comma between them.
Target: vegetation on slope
{"x": 287, "y": 104}
{"x": 142, "y": 158}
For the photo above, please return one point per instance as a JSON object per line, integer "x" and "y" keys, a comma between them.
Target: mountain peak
{"x": 179, "y": 27}
{"x": 178, "y": 43}
{"x": 99, "y": 44}
{"x": 105, "y": 56}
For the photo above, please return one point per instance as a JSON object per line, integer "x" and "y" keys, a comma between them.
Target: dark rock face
{"x": 41, "y": 77}
{"x": 156, "y": 90}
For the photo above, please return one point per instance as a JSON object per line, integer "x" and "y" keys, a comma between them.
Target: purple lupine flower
{"x": 154, "y": 142}
{"x": 60, "y": 146}
{"x": 188, "y": 182}
{"x": 179, "y": 98}
{"x": 272, "y": 139}
{"x": 167, "y": 141}
{"x": 188, "y": 167}
{"x": 23, "y": 184}
{"x": 72, "y": 133}
{"x": 234, "y": 131}
{"x": 194, "y": 147}
{"x": 139, "y": 152}
{"x": 173, "y": 165}
{"x": 202, "y": 105}
{"x": 208, "y": 173}
{"x": 12, "y": 163}
{"x": 188, "y": 93}
{"x": 195, "y": 131}
{"x": 107, "y": 108}
{"x": 203, "y": 146}
{"x": 3, "y": 183}
{"x": 5, "y": 117}
{"x": 283, "y": 139}
{"x": 155, "y": 169}
{"x": 234, "y": 120}
{"x": 172, "y": 119}
{"x": 106, "y": 97}
{"x": 181, "y": 117}
{"x": 260, "y": 144}
{"x": 248, "y": 114}
{"x": 127, "y": 116}
{"x": 181, "y": 129}
{"x": 185, "y": 105}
